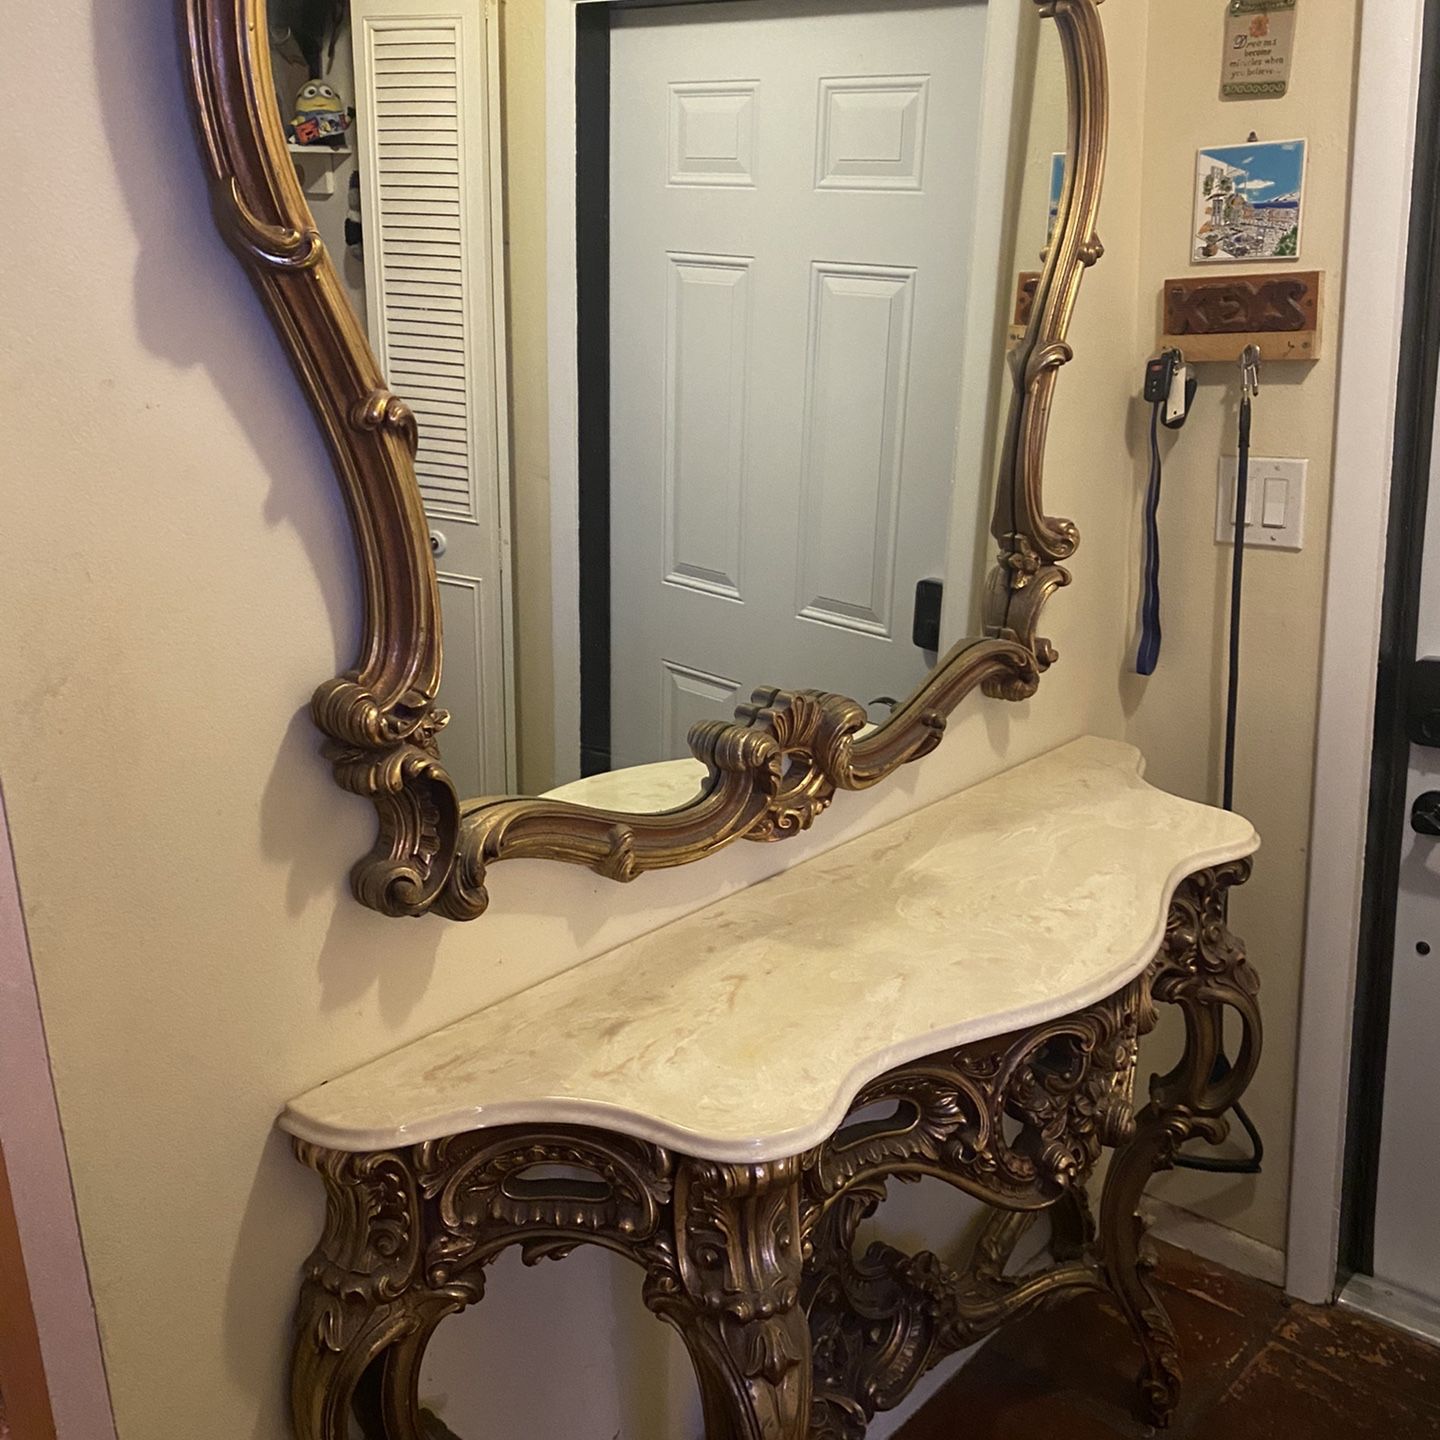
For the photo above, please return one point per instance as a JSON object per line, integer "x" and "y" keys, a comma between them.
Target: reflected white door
{"x": 425, "y": 118}
{"x": 792, "y": 198}
{"x": 1407, "y": 1239}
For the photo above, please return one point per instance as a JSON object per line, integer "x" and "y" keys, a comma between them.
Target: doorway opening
{"x": 1386, "y": 1226}
{"x": 717, "y": 277}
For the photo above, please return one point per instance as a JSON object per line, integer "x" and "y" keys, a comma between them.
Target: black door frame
{"x": 592, "y": 338}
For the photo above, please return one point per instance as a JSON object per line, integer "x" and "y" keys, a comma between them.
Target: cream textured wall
{"x": 175, "y": 574}
{"x": 1177, "y": 715}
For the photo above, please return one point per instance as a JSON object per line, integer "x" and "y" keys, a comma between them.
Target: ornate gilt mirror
{"x": 825, "y": 258}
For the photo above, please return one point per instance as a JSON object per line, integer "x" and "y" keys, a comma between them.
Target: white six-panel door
{"x": 1407, "y": 1251}
{"x": 428, "y": 161}
{"x": 792, "y": 205}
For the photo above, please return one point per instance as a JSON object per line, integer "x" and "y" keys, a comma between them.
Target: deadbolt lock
{"x": 1425, "y": 813}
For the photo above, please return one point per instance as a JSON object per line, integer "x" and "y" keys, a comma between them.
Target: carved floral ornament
{"x": 774, "y": 769}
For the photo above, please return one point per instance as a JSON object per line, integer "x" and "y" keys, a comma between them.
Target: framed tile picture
{"x": 1248, "y": 202}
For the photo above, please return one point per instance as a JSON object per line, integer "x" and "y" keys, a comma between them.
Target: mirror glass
{"x": 805, "y": 231}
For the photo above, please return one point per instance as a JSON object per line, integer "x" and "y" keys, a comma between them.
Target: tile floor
{"x": 1256, "y": 1368}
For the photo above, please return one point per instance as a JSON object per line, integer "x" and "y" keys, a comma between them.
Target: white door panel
{"x": 1406, "y": 1250}
{"x": 857, "y": 368}
{"x": 707, "y": 337}
{"x": 792, "y": 201}
{"x": 1406, "y": 1253}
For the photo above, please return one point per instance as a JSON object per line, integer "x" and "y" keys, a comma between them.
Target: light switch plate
{"x": 1276, "y": 493}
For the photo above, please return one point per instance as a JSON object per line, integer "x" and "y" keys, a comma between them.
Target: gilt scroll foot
{"x": 1127, "y": 1264}
{"x": 730, "y": 1284}
{"x": 1202, "y": 969}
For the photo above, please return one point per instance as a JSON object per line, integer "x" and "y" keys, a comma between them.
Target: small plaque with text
{"x": 1259, "y": 44}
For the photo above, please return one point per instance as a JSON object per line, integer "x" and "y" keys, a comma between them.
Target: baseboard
{"x": 1214, "y": 1242}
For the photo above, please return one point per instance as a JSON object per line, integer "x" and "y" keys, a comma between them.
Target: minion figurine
{"x": 321, "y": 116}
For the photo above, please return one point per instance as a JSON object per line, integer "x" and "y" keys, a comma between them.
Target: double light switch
{"x": 1274, "y": 502}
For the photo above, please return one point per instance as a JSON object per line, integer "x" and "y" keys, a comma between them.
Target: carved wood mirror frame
{"x": 779, "y": 765}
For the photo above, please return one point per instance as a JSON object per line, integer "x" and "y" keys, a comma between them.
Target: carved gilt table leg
{"x": 359, "y": 1298}
{"x": 733, "y": 1294}
{"x": 882, "y": 1319}
{"x": 1018, "y": 1121}
{"x": 1201, "y": 968}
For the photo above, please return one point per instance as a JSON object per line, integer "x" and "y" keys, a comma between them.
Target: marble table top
{"x": 743, "y": 1032}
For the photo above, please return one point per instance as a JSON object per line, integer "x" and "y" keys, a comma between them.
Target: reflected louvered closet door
{"x": 425, "y": 127}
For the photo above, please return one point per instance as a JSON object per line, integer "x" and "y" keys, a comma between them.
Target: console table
{"x": 959, "y": 994}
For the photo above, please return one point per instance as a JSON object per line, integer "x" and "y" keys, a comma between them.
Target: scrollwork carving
{"x": 409, "y": 1233}
{"x": 615, "y": 1193}
{"x": 731, "y": 1286}
{"x": 355, "y": 1299}
{"x": 419, "y": 819}
{"x": 370, "y": 1250}
{"x": 282, "y": 246}
{"x": 382, "y": 410}
{"x": 376, "y": 713}
{"x": 768, "y": 780}
{"x": 881, "y": 1320}
{"x": 1067, "y": 1084}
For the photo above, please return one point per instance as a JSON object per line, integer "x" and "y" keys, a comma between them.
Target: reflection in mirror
{"x": 390, "y": 115}
{"x": 804, "y": 231}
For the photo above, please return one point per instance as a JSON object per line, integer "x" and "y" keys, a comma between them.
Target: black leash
{"x": 1249, "y": 388}
{"x": 1170, "y": 389}
{"x": 1148, "y": 655}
